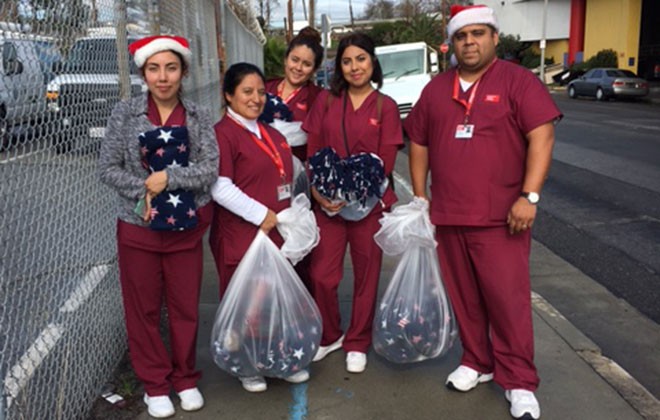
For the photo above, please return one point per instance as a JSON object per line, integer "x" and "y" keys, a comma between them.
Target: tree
{"x": 510, "y": 47}
{"x": 379, "y": 9}
{"x": 265, "y": 9}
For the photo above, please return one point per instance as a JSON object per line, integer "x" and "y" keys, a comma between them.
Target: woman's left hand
{"x": 156, "y": 183}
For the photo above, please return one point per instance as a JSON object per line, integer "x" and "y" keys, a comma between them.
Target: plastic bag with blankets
{"x": 267, "y": 324}
{"x": 298, "y": 227}
{"x": 414, "y": 321}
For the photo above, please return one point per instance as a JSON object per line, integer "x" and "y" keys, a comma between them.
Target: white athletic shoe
{"x": 464, "y": 379}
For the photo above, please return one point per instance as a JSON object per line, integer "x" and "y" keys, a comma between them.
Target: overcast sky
{"x": 337, "y": 10}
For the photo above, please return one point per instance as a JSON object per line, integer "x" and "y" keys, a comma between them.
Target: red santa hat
{"x": 146, "y": 47}
{"x": 470, "y": 15}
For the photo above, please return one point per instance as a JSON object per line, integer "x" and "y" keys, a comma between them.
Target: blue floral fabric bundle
{"x": 168, "y": 147}
{"x": 355, "y": 179}
{"x": 275, "y": 108}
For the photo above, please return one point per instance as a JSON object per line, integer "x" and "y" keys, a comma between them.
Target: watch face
{"x": 533, "y": 197}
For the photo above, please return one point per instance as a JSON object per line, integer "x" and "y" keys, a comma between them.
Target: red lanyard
{"x": 266, "y": 144}
{"x": 467, "y": 104}
{"x": 280, "y": 91}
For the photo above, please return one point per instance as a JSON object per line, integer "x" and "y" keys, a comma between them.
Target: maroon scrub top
{"x": 474, "y": 182}
{"x": 254, "y": 172}
{"x": 301, "y": 103}
{"x": 364, "y": 132}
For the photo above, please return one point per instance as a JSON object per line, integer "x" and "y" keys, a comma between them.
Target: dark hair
{"x": 235, "y": 75}
{"x": 310, "y": 38}
{"x": 184, "y": 65}
{"x": 362, "y": 41}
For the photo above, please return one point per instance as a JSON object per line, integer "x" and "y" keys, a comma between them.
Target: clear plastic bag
{"x": 267, "y": 323}
{"x": 297, "y": 225}
{"x": 300, "y": 179}
{"x": 404, "y": 227}
{"x": 414, "y": 321}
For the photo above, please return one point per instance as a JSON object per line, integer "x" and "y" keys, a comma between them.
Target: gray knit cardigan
{"x": 120, "y": 166}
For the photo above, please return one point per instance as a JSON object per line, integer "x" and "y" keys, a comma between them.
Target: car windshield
{"x": 402, "y": 63}
{"x": 95, "y": 56}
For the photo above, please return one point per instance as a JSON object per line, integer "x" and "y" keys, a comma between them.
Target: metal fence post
{"x": 122, "y": 50}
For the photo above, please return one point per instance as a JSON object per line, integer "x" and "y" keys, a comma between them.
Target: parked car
{"x": 22, "y": 88}
{"x": 605, "y": 83}
{"x": 82, "y": 97}
{"x": 50, "y": 58}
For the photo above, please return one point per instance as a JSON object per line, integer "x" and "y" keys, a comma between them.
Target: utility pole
{"x": 545, "y": 18}
{"x": 350, "y": 10}
{"x": 289, "y": 29}
{"x": 312, "y": 13}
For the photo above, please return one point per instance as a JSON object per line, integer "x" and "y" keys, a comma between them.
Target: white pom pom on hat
{"x": 144, "y": 48}
{"x": 462, "y": 16}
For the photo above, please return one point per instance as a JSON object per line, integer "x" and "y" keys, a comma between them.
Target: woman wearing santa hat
{"x": 352, "y": 118}
{"x": 254, "y": 182}
{"x": 161, "y": 157}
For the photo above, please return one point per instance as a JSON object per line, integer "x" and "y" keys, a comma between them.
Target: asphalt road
{"x": 600, "y": 211}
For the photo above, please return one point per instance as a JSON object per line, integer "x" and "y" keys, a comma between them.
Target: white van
{"x": 22, "y": 87}
{"x": 407, "y": 68}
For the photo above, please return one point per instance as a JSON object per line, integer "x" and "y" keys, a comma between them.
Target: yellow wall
{"x": 555, "y": 49}
{"x": 613, "y": 24}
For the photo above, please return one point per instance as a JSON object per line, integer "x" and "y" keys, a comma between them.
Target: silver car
{"x": 605, "y": 83}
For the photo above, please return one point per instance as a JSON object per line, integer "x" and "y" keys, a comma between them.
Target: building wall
{"x": 614, "y": 24}
{"x": 525, "y": 18}
{"x": 555, "y": 49}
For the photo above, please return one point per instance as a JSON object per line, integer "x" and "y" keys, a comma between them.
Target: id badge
{"x": 464, "y": 131}
{"x": 284, "y": 192}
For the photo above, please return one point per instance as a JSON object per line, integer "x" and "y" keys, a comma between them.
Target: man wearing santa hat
{"x": 485, "y": 131}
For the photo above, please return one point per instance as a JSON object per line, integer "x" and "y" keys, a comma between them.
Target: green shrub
{"x": 604, "y": 58}
{"x": 274, "y": 51}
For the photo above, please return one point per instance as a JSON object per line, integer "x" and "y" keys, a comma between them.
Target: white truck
{"x": 407, "y": 68}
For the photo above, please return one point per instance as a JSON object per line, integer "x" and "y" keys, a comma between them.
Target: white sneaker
{"x": 254, "y": 383}
{"x": 159, "y": 407}
{"x": 356, "y": 362}
{"x": 191, "y": 399}
{"x": 326, "y": 350}
{"x": 298, "y": 377}
{"x": 464, "y": 379}
{"x": 523, "y": 404}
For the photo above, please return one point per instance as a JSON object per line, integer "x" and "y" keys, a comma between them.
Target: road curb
{"x": 618, "y": 378}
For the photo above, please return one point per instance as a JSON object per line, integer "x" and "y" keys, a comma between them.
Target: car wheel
{"x": 571, "y": 92}
{"x": 600, "y": 95}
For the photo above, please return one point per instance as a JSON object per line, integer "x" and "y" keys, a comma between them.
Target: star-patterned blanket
{"x": 358, "y": 179}
{"x": 167, "y": 147}
{"x": 275, "y": 108}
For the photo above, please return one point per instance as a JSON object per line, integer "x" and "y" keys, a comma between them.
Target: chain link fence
{"x": 63, "y": 67}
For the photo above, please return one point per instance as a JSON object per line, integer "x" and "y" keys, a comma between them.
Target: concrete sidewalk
{"x": 576, "y": 382}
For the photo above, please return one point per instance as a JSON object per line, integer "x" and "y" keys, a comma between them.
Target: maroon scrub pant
{"x": 486, "y": 273}
{"x": 326, "y": 269}
{"x": 154, "y": 266}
